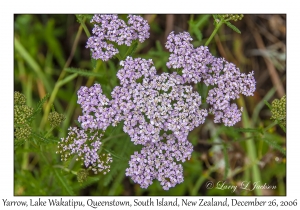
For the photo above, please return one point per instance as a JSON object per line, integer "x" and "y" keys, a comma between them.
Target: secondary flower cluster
{"x": 85, "y": 144}
{"x": 55, "y": 118}
{"x": 109, "y": 28}
{"x": 198, "y": 64}
{"x": 22, "y": 112}
{"x": 278, "y": 110}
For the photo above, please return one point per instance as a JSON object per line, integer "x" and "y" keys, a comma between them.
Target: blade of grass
{"x": 261, "y": 104}
{"x": 32, "y": 63}
{"x": 64, "y": 184}
{"x": 61, "y": 76}
{"x": 251, "y": 150}
{"x": 227, "y": 166}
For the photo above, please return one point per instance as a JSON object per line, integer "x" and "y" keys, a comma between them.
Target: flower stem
{"x": 214, "y": 32}
{"x": 86, "y": 30}
{"x": 53, "y": 95}
{"x": 251, "y": 149}
{"x": 65, "y": 169}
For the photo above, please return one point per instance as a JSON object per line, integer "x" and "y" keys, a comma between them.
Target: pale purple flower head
{"x": 97, "y": 114}
{"x": 156, "y": 103}
{"x": 109, "y": 28}
{"x": 198, "y": 65}
{"x": 152, "y": 105}
{"x": 159, "y": 161}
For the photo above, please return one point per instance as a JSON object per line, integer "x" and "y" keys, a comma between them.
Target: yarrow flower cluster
{"x": 149, "y": 104}
{"x": 199, "y": 65}
{"x": 158, "y": 103}
{"x": 235, "y": 17}
{"x": 22, "y": 113}
{"x": 55, "y": 118}
{"x": 278, "y": 110}
{"x": 158, "y": 111}
{"x": 85, "y": 145}
{"x": 109, "y": 28}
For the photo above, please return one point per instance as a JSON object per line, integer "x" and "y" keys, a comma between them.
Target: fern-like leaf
{"x": 233, "y": 27}
{"x": 39, "y": 107}
{"x": 41, "y": 139}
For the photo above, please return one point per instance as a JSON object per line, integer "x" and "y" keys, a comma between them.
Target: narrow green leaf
{"x": 118, "y": 56}
{"x": 249, "y": 130}
{"x": 158, "y": 46}
{"x": 202, "y": 20}
{"x": 198, "y": 34}
{"x": 94, "y": 62}
{"x": 260, "y": 105}
{"x": 268, "y": 105}
{"x": 83, "y": 72}
{"x": 282, "y": 127}
{"x": 113, "y": 154}
{"x": 274, "y": 145}
{"x": 233, "y": 27}
{"x": 226, "y": 159}
{"x": 64, "y": 184}
{"x": 131, "y": 49}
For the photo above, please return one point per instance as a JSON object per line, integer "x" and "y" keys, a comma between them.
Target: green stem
{"x": 112, "y": 137}
{"x": 214, "y": 32}
{"x": 240, "y": 170}
{"x": 53, "y": 95}
{"x": 201, "y": 179}
{"x": 131, "y": 49}
{"x": 270, "y": 126}
{"x": 86, "y": 30}
{"x": 65, "y": 169}
{"x": 251, "y": 150}
{"x": 47, "y": 134}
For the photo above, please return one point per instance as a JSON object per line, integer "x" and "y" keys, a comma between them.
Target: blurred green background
{"x": 45, "y": 45}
